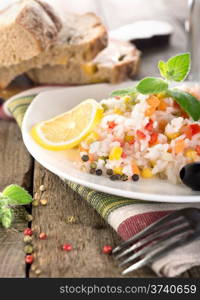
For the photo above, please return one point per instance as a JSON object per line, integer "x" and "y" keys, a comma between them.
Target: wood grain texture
{"x": 16, "y": 167}
{"x": 87, "y": 236}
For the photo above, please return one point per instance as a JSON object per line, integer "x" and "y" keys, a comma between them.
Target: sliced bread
{"x": 81, "y": 39}
{"x": 116, "y": 63}
{"x": 27, "y": 28}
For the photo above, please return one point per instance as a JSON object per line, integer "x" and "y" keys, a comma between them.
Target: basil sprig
{"x": 11, "y": 196}
{"x": 175, "y": 69}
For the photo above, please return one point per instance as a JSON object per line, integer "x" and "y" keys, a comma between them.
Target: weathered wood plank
{"x": 15, "y": 167}
{"x": 87, "y": 236}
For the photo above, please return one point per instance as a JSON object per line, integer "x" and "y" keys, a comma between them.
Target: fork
{"x": 155, "y": 241}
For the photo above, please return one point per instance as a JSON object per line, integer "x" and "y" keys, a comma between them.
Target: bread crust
{"x": 31, "y": 19}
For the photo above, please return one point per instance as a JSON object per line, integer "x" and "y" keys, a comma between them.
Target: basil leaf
{"x": 16, "y": 195}
{"x": 124, "y": 92}
{"x": 187, "y": 102}
{"x": 176, "y": 68}
{"x": 151, "y": 85}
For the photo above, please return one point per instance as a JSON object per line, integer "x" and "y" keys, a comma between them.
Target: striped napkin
{"x": 126, "y": 216}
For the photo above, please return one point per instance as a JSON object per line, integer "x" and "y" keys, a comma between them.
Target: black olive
{"x": 1, "y": 100}
{"x": 190, "y": 175}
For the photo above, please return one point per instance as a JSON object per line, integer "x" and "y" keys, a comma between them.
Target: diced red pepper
{"x": 154, "y": 138}
{"x": 188, "y": 132}
{"x": 149, "y": 125}
{"x": 117, "y": 97}
{"x": 140, "y": 135}
{"x": 111, "y": 124}
{"x": 123, "y": 155}
{"x": 198, "y": 149}
{"x": 195, "y": 128}
{"x": 176, "y": 105}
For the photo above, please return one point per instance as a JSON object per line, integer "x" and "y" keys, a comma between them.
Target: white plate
{"x": 51, "y": 103}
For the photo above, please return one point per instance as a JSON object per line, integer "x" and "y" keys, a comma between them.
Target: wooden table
{"x": 89, "y": 233}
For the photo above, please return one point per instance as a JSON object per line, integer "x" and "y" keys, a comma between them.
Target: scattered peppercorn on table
{"x": 68, "y": 237}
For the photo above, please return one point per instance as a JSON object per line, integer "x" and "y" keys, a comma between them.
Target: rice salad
{"x": 142, "y": 136}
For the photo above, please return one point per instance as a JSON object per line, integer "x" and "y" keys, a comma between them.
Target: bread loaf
{"x": 27, "y": 28}
{"x": 114, "y": 64}
{"x": 81, "y": 38}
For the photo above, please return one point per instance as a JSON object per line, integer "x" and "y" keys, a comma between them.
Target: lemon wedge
{"x": 70, "y": 128}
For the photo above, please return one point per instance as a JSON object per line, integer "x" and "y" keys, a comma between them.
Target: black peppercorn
{"x": 99, "y": 172}
{"x": 85, "y": 158}
{"x": 135, "y": 177}
{"x": 115, "y": 177}
{"x": 109, "y": 172}
{"x": 124, "y": 177}
{"x": 92, "y": 171}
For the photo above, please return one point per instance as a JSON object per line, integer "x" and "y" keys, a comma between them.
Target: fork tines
{"x": 155, "y": 241}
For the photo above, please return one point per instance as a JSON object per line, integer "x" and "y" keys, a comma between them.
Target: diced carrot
{"x": 150, "y": 111}
{"x": 162, "y": 105}
{"x": 81, "y": 149}
{"x": 92, "y": 156}
{"x": 179, "y": 146}
{"x": 140, "y": 135}
{"x": 135, "y": 168}
{"x": 153, "y": 101}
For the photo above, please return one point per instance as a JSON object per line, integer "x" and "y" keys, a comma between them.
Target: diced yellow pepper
{"x": 118, "y": 111}
{"x": 92, "y": 137}
{"x": 118, "y": 170}
{"x": 147, "y": 173}
{"x": 172, "y": 136}
{"x": 191, "y": 154}
{"x": 115, "y": 153}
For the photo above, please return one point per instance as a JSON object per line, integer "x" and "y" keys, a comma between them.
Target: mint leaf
{"x": 6, "y": 216}
{"x": 162, "y": 66}
{"x": 16, "y": 195}
{"x": 187, "y": 102}
{"x": 151, "y": 85}
{"x": 176, "y": 68}
{"x": 124, "y": 92}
